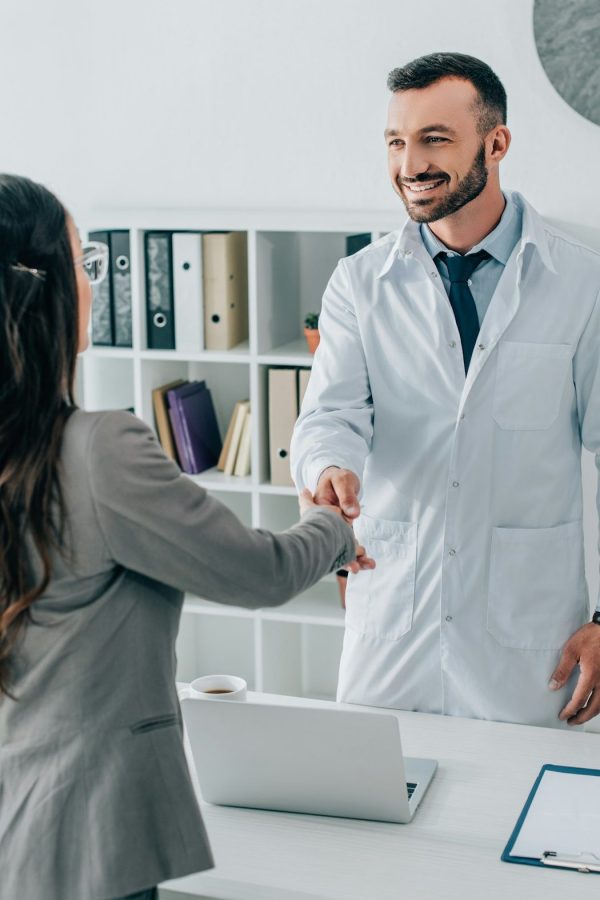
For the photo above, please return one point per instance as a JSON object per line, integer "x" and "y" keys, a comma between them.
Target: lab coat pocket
{"x": 379, "y": 602}
{"x": 530, "y": 380}
{"x": 537, "y": 592}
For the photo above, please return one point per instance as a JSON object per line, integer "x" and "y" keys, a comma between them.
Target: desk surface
{"x": 450, "y": 850}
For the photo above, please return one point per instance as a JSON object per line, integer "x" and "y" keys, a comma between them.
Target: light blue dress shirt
{"x": 499, "y": 243}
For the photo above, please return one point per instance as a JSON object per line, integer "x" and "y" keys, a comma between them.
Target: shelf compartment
{"x": 266, "y": 488}
{"x": 215, "y": 645}
{"x": 278, "y": 512}
{"x": 293, "y": 270}
{"x": 319, "y": 605}
{"x": 105, "y": 382}
{"x": 199, "y": 606}
{"x": 227, "y": 385}
{"x": 214, "y": 481}
{"x": 95, "y": 351}
{"x": 300, "y": 659}
{"x": 239, "y": 354}
{"x": 292, "y": 353}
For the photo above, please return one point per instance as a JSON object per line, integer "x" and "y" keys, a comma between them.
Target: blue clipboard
{"x": 582, "y": 862}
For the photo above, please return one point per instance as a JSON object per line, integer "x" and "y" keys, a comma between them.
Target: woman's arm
{"x": 158, "y": 522}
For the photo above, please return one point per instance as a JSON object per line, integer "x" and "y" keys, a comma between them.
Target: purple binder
{"x": 192, "y": 412}
{"x": 178, "y": 433}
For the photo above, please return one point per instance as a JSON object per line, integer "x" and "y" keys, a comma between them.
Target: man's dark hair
{"x": 426, "y": 70}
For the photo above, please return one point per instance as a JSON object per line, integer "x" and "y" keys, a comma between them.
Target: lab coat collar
{"x": 533, "y": 231}
{"x": 409, "y": 240}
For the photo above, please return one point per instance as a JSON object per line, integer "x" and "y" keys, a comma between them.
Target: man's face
{"x": 436, "y": 156}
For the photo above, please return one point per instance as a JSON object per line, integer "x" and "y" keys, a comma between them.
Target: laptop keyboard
{"x": 411, "y": 787}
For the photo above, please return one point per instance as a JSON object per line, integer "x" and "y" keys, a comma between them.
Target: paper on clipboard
{"x": 564, "y": 816}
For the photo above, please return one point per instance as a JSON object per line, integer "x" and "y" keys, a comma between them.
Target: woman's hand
{"x": 362, "y": 561}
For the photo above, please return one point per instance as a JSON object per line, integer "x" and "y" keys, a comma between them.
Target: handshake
{"x": 337, "y": 489}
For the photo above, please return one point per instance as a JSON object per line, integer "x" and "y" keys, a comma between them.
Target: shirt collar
{"x": 499, "y": 243}
{"x": 503, "y": 238}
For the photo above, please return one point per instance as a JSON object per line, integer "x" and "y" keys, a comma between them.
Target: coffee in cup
{"x": 219, "y": 687}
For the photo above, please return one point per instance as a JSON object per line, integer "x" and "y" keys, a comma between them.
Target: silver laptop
{"x": 329, "y": 762}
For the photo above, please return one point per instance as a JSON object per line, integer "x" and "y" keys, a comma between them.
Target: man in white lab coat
{"x": 457, "y": 377}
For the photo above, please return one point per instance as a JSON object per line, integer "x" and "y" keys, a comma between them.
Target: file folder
{"x": 242, "y": 461}
{"x": 303, "y": 379}
{"x": 241, "y": 410}
{"x": 161, "y": 416}
{"x": 187, "y": 289}
{"x": 159, "y": 291}
{"x": 283, "y": 412}
{"x": 559, "y": 825}
{"x": 195, "y": 426}
{"x": 103, "y": 332}
{"x": 356, "y": 242}
{"x": 120, "y": 274}
{"x": 225, "y": 264}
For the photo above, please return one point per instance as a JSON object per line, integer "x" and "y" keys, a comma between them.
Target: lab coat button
{"x": 408, "y": 252}
{"x": 434, "y": 274}
{"x": 455, "y": 484}
{"x": 469, "y": 281}
{"x": 481, "y": 346}
{"x": 453, "y": 344}
{"x": 451, "y": 552}
{"x": 448, "y": 618}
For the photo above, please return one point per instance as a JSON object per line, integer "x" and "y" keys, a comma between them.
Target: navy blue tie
{"x": 460, "y": 269}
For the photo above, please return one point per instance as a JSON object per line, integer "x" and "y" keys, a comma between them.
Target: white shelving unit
{"x": 295, "y": 648}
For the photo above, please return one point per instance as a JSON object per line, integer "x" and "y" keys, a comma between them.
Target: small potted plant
{"x": 311, "y": 331}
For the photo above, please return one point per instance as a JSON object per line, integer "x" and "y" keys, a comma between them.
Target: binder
{"x": 225, "y": 280}
{"x": 195, "y": 426}
{"x": 356, "y": 242}
{"x": 558, "y": 825}
{"x": 229, "y": 437}
{"x": 242, "y": 462}
{"x": 176, "y": 420}
{"x": 283, "y": 412}
{"x": 161, "y": 417}
{"x": 187, "y": 290}
{"x": 159, "y": 291}
{"x": 303, "y": 379}
{"x": 242, "y": 409}
{"x": 103, "y": 331}
{"x": 200, "y": 428}
{"x": 120, "y": 274}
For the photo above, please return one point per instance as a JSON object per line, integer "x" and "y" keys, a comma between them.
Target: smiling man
{"x": 457, "y": 377}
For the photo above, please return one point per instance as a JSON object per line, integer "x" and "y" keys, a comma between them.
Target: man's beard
{"x": 468, "y": 188}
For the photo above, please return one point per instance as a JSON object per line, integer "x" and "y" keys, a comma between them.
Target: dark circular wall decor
{"x": 567, "y": 35}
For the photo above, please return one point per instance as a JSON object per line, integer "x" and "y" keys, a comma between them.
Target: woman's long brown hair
{"x": 38, "y": 353}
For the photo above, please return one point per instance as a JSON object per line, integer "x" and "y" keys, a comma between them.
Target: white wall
{"x": 260, "y": 103}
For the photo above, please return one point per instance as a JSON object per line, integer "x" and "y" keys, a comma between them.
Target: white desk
{"x": 451, "y": 850}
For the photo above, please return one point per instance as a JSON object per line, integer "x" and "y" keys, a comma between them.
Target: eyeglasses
{"x": 94, "y": 260}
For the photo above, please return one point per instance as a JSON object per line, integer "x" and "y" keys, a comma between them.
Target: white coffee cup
{"x": 219, "y": 687}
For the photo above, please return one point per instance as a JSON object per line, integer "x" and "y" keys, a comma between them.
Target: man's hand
{"x": 361, "y": 560}
{"x": 583, "y": 647}
{"x": 339, "y": 487}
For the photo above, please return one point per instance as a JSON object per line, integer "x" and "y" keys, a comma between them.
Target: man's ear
{"x": 498, "y": 142}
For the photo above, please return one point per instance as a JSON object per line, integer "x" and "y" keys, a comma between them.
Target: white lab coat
{"x": 471, "y": 488}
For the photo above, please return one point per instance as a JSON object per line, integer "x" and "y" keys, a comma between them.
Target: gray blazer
{"x": 95, "y": 796}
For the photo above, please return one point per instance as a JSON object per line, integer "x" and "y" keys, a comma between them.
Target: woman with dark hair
{"x": 99, "y": 536}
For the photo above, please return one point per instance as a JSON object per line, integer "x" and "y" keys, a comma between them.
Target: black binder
{"x": 103, "y": 326}
{"x": 356, "y": 242}
{"x": 120, "y": 273}
{"x": 160, "y": 317}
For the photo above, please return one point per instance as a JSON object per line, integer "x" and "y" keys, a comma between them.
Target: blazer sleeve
{"x": 335, "y": 427}
{"x": 158, "y": 522}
